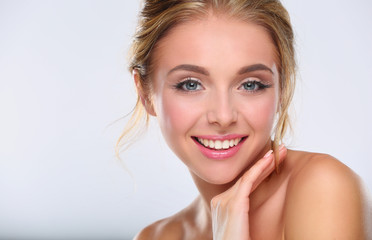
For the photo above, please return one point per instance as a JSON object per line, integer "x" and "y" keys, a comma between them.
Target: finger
{"x": 270, "y": 168}
{"x": 258, "y": 172}
{"x": 251, "y": 175}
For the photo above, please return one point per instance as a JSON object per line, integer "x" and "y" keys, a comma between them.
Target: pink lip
{"x": 221, "y": 137}
{"x": 222, "y": 153}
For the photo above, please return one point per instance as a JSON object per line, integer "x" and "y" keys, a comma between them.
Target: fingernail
{"x": 268, "y": 154}
{"x": 281, "y": 146}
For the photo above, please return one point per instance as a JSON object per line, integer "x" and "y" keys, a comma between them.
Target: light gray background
{"x": 63, "y": 80}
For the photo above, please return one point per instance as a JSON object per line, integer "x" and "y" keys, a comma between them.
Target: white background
{"x": 63, "y": 81}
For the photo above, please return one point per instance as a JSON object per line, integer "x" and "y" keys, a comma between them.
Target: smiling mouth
{"x": 219, "y": 144}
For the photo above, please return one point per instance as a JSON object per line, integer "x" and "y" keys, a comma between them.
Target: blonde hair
{"x": 159, "y": 16}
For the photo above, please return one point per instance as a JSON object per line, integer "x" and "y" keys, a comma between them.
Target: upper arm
{"x": 324, "y": 201}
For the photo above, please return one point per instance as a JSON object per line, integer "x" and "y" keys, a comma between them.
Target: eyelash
{"x": 182, "y": 85}
{"x": 258, "y": 86}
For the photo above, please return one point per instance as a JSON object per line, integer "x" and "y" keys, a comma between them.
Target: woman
{"x": 219, "y": 77}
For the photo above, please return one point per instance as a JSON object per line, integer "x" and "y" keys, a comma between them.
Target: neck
{"x": 208, "y": 191}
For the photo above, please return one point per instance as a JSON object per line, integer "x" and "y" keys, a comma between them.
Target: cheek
{"x": 260, "y": 113}
{"x": 175, "y": 115}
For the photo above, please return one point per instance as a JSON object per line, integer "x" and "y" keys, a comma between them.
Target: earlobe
{"x": 142, "y": 95}
{"x": 279, "y": 107}
{"x": 148, "y": 106}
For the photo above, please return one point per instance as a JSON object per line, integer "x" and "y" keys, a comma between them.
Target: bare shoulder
{"x": 324, "y": 199}
{"x": 168, "y": 228}
{"x": 174, "y": 227}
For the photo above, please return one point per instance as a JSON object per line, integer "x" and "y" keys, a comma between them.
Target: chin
{"x": 219, "y": 177}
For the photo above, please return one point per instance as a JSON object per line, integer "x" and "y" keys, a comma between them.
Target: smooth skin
{"x": 314, "y": 196}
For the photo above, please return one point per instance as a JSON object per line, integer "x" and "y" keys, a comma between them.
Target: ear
{"x": 143, "y": 96}
{"x": 279, "y": 105}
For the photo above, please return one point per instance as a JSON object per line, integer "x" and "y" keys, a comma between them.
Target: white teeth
{"x": 205, "y": 142}
{"x": 218, "y": 144}
{"x": 226, "y": 144}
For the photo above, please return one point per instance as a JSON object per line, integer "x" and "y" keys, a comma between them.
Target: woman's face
{"x": 215, "y": 95}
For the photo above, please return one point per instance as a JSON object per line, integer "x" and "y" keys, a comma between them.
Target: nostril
{"x": 222, "y": 117}
{"x": 211, "y": 117}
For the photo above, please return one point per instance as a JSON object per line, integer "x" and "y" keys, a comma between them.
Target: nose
{"x": 222, "y": 110}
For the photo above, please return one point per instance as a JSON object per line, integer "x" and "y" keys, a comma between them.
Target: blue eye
{"x": 254, "y": 86}
{"x": 251, "y": 86}
{"x": 189, "y": 85}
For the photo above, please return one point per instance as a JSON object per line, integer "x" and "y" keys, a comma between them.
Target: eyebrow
{"x": 191, "y": 68}
{"x": 255, "y": 67}
{"x": 201, "y": 70}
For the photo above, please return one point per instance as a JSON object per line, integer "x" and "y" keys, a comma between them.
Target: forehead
{"x": 215, "y": 42}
